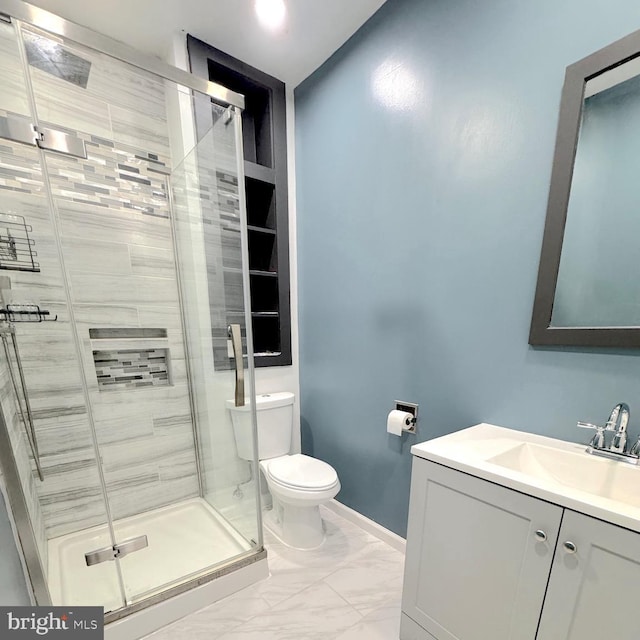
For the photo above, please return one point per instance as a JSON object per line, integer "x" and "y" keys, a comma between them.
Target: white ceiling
{"x": 315, "y": 28}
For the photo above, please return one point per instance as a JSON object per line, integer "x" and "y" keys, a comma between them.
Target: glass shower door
{"x": 118, "y": 199}
{"x": 211, "y": 238}
{"x": 41, "y": 382}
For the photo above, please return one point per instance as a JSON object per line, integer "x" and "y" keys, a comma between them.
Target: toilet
{"x": 298, "y": 483}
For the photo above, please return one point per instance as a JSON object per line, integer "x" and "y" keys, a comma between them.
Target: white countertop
{"x": 552, "y": 470}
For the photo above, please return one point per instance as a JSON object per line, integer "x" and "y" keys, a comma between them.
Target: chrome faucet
{"x": 617, "y": 422}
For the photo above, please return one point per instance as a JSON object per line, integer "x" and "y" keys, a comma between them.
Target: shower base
{"x": 185, "y": 541}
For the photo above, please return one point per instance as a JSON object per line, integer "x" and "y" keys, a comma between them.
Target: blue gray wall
{"x": 13, "y": 587}
{"x": 420, "y": 217}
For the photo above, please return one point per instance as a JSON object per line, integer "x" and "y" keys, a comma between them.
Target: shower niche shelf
{"x": 135, "y": 368}
{"x": 265, "y": 168}
{"x": 130, "y": 357}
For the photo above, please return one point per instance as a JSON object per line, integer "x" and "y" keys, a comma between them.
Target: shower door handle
{"x": 236, "y": 341}
{"x": 119, "y": 550}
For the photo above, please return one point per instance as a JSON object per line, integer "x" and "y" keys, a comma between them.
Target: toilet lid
{"x": 302, "y": 472}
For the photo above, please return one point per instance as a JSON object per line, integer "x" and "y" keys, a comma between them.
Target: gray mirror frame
{"x": 542, "y": 333}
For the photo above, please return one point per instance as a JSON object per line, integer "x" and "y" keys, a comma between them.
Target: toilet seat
{"x": 302, "y": 473}
{"x": 298, "y": 484}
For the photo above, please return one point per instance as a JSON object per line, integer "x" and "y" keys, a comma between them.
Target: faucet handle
{"x": 597, "y": 427}
{"x": 597, "y": 442}
{"x": 635, "y": 450}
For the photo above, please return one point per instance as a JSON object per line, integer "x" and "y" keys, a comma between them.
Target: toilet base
{"x": 297, "y": 527}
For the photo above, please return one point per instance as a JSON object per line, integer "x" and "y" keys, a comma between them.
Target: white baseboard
{"x": 375, "y": 529}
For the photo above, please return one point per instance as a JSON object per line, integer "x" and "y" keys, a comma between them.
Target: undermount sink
{"x": 607, "y": 479}
{"x": 554, "y": 470}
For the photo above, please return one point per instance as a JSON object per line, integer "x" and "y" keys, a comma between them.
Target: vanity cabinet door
{"x": 593, "y": 592}
{"x": 474, "y": 569}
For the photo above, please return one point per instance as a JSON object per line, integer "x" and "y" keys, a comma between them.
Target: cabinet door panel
{"x": 593, "y": 594}
{"x": 474, "y": 569}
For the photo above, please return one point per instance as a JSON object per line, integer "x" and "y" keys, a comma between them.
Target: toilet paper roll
{"x": 398, "y": 421}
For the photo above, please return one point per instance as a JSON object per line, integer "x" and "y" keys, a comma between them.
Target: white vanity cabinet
{"x": 480, "y": 565}
{"x": 593, "y": 593}
{"x": 474, "y": 568}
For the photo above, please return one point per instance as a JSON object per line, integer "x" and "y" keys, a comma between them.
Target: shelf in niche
{"x": 266, "y": 338}
{"x": 262, "y": 253}
{"x": 261, "y": 202}
{"x": 257, "y": 229}
{"x": 255, "y": 314}
{"x": 259, "y": 172}
{"x": 264, "y": 354}
{"x": 252, "y": 272}
{"x": 264, "y": 295}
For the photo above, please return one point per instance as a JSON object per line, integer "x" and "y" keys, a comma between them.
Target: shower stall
{"x": 123, "y": 319}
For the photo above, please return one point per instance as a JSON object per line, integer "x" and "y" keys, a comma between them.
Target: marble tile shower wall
{"x": 113, "y": 211}
{"x": 48, "y": 356}
{"x": 13, "y": 95}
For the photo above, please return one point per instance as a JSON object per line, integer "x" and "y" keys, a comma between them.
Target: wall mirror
{"x": 588, "y": 290}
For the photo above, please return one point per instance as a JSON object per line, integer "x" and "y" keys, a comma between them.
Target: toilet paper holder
{"x": 409, "y": 407}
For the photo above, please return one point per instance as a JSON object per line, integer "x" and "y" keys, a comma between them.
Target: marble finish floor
{"x": 348, "y": 589}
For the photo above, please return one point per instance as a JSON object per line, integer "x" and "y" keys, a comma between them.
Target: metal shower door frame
{"x": 36, "y": 17}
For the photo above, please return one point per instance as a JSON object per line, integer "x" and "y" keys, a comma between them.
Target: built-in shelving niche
{"x": 130, "y": 358}
{"x": 265, "y": 167}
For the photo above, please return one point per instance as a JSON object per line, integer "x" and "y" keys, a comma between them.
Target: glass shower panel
{"x": 112, "y": 196}
{"x": 113, "y": 208}
{"x": 207, "y": 190}
{"x": 41, "y": 383}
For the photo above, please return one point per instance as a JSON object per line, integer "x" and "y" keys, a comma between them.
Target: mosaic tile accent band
{"x": 228, "y": 200}
{"x": 131, "y": 368}
{"x": 114, "y": 175}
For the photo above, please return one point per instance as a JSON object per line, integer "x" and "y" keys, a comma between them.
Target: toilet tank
{"x": 275, "y": 421}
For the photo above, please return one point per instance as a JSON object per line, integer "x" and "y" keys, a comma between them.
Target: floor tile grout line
{"x": 243, "y": 622}
{"x": 351, "y": 608}
{"x": 345, "y": 601}
{"x": 357, "y": 556}
{"x": 287, "y": 598}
